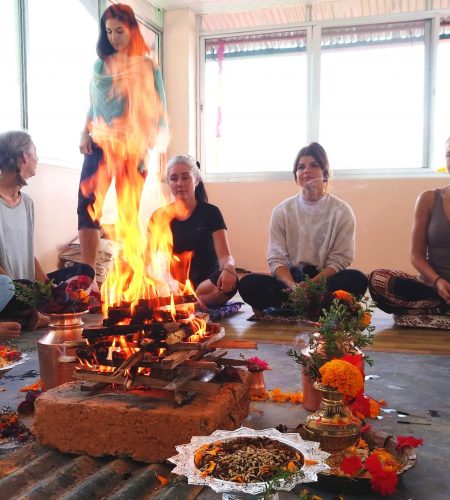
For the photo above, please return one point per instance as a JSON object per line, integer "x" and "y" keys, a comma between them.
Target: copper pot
{"x": 51, "y": 349}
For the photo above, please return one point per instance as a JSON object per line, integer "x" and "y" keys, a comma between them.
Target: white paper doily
{"x": 185, "y": 465}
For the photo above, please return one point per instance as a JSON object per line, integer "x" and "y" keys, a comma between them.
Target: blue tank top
{"x": 438, "y": 238}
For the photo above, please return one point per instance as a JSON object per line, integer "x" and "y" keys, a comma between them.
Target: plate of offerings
{"x": 247, "y": 460}
{"x": 395, "y": 455}
{"x": 9, "y": 358}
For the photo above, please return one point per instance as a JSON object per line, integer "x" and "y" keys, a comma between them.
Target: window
{"x": 60, "y": 59}
{"x": 363, "y": 91}
{"x": 371, "y": 106}
{"x": 254, "y": 113}
{"x": 442, "y": 109}
{"x": 10, "y": 87}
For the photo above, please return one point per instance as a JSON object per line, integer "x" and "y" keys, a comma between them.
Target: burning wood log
{"x": 175, "y": 359}
{"x": 145, "y": 381}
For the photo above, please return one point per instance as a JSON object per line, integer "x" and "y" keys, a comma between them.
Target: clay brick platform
{"x": 123, "y": 424}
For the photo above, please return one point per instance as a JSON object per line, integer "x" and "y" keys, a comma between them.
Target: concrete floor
{"x": 412, "y": 383}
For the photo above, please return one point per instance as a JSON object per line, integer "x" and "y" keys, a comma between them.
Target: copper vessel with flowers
{"x": 333, "y": 424}
{"x": 256, "y": 367}
{"x": 65, "y": 304}
{"x": 344, "y": 329}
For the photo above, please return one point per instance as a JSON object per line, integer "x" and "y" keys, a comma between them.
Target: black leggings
{"x": 264, "y": 290}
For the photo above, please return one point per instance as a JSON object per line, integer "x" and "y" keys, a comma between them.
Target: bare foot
{"x": 38, "y": 320}
{"x": 9, "y": 329}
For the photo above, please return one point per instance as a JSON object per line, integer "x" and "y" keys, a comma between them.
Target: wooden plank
{"x": 175, "y": 359}
{"x": 234, "y": 344}
{"x": 183, "y": 346}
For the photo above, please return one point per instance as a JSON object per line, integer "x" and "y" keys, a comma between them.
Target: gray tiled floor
{"x": 413, "y": 383}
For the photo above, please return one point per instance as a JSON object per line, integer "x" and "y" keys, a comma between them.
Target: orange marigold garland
{"x": 278, "y": 396}
{"x": 342, "y": 376}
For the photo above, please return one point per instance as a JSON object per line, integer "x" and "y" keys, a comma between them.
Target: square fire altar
{"x": 142, "y": 427}
{"x": 148, "y": 378}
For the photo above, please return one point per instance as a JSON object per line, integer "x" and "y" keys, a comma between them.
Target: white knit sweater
{"x": 321, "y": 233}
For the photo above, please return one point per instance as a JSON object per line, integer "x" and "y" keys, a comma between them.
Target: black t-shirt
{"x": 195, "y": 235}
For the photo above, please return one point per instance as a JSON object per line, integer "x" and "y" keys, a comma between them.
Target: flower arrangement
{"x": 50, "y": 298}
{"x": 255, "y": 365}
{"x": 379, "y": 465}
{"x": 342, "y": 376}
{"x": 344, "y": 329}
{"x": 308, "y": 299}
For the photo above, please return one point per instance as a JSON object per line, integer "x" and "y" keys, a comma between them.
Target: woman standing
{"x": 126, "y": 118}
{"x": 429, "y": 292}
{"x": 311, "y": 234}
{"x": 199, "y": 229}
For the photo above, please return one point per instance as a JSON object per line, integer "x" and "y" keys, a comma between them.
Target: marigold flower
{"x": 343, "y": 376}
{"x": 375, "y": 408}
{"x": 37, "y": 386}
{"x": 365, "y": 320}
{"x": 343, "y": 295}
{"x": 387, "y": 460}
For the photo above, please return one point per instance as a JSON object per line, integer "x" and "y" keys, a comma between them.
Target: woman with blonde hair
{"x": 198, "y": 229}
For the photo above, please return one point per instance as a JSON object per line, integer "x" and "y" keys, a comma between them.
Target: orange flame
{"x": 145, "y": 267}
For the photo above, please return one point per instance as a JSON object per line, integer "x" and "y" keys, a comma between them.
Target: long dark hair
{"x": 12, "y": 146}
{"x": 200, "y": 190}
{"x": 318, "y": 153}
{"x": 125, "y": 14}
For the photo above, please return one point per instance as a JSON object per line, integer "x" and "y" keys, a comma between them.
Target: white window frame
{"x": 22, "y": 50}
{"x": 314, "y": 30}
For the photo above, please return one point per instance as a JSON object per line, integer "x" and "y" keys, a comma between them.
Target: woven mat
{"x": 441, "y": 322}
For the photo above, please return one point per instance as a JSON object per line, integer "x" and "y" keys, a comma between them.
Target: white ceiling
{"x": 222, "y": 6}
{"x": 321, "y": 9}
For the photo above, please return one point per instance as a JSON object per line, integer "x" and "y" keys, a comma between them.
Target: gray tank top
{"x": 438, "y": 238}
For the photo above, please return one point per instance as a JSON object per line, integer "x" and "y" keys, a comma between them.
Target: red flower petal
{"x": 411, "y": 441}
{"x": 384, "y": 481}
{"x": 373, "y": 464}
{"x": 351, "y": 465}
{"x": 361, "y": 405}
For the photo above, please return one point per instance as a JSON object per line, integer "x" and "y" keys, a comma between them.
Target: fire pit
{"x": 151, "y": 346}
{"x": 148, "y": 378}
